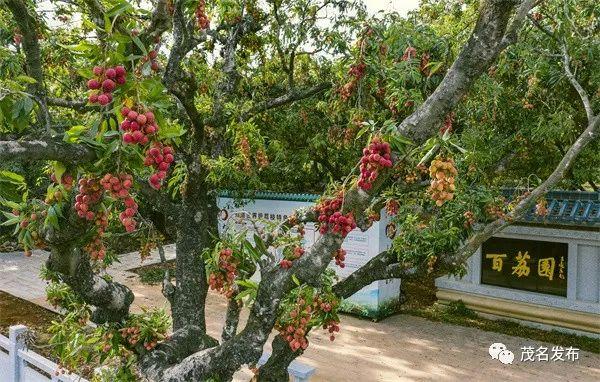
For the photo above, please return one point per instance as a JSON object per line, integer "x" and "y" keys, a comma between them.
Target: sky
{"x": 400, "y": 6}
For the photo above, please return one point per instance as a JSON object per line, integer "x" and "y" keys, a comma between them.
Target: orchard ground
{"x": 399, "y": 348}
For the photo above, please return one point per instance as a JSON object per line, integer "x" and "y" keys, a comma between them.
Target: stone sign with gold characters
{"x": 537, "y": 266}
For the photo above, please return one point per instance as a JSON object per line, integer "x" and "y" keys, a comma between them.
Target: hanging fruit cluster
{"x": 331, "y": 219}
{"x": 375, "y": 158}
{"x": 469, "y": 219}
{"x": 261, "y": 158}
{"x": 244, "y": 147}
{"x": 104, "y": 83}
{"x": 442, "y": 172}
{"x": 118, "y": 187}
{"x": 495, "y": 211}
{"x": 139, "y": 124}
{"x": 160, "y": 158}
{"x": 286, "y": 262}
{"x": 131, "y": 334}
{"x": 409, "y": 53}
{"x": 294, "y": 326}
{"x": 391, "y": 207}
{"x": 340, "y": 257}
{"x": 90, "y": 193}
{"x": 448, "y": 121}
{"x": 357, "y": 72}
{"x": 541, "y": 208}
{"x": 201, "y": 16}
{"x": 152, "y": 55}
{"x": 223, "y": 280}
{"x": 66, "y": 180}
{"x": 95, "y": 248}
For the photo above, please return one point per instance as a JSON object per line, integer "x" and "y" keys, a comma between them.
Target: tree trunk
{"x": 111, "y": 300}
{"x": 196, "y": 227}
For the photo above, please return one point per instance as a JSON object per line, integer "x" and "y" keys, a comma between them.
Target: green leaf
{"x": 244, "y": 293}
{"x": 26, "y": 79}
{"x": 15, "y": 220}
{"x": 260, "y": 244}
{"x": 59, "y": 170}
{"x": 119, "y": 9}
{"x": 462, "y": 150}
{"x": 11, "y": 177}
{"x": 52, "y": 217}
{"x": 295, "y": 280}
{"x": 249, "y": 284}
{"x": 139, "y": 44}
{"x": 434, "y": 67}
{"x": 73, "y": 134}
{"x": 107, "y": 24}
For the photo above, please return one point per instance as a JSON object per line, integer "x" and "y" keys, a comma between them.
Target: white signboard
{"x": 375, "y": 300}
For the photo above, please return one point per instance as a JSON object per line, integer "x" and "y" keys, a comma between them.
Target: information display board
{"x": 375, "y": 300}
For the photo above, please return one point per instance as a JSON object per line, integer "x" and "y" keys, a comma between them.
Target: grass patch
{"x": 420, "y": 302}
{"x": 154, "y": 273}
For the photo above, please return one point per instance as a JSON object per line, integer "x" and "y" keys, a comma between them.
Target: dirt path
{"x": 406, "y": 348}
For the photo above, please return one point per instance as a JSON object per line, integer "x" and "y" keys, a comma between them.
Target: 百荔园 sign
{"x": 531, "y": 265}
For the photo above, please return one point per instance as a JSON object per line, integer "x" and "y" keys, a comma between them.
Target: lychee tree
{"x": 181, "y": 100}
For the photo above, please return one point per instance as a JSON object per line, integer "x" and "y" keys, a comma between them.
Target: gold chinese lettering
{"x": 496, "y": 260}
{"x": 546, "y": 267}
{"x": 561, "y": 268}
{"x": 522, "y": 269}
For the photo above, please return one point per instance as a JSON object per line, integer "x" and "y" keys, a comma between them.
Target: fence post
{"x": 16, "y": 343}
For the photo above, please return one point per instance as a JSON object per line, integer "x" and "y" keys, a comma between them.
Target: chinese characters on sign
{"x": 538, "y": 266}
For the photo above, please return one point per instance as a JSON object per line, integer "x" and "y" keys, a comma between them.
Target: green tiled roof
{"x": 271, "y": 196}
{"x": 573, "y": 208}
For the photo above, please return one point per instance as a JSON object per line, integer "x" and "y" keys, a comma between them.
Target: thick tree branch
{"x": 111, "y": 300}
{"x": 29, "y": 29}
{"x": 185, "y": 341}
{"x": 585, "y": 99}
{"x": 160, "y": 200}
{"x": 46, "y": 150}
{"x": 383, "y": 266}
{"x": 590, "y": 133}
{"x": 232, "y": 319}
{"x": 512, "y": 32}
{"x": 178, "y": 81}
{"x": 487, "y": 40}
{"x": 160, "y": 22}
{"x": 292, "y": 96}
{"x": 72, "y": 104}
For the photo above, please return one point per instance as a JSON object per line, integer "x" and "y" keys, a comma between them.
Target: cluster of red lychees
{"x": 160, "y": 158}
{"x": 223, "y": 280}
{"x": 201, "y": 16}
{"x": 104, "y": 83}
{"x": 331, "y": 219}
{"x": 119, "y": 186}
{"x": 138, "y": 125}
{"x": 340, "y": 257}
{"x": 296, "y": 254}
{"x": 375, "y": 158}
